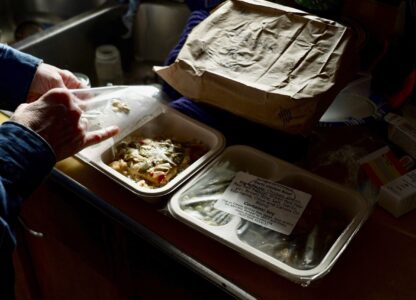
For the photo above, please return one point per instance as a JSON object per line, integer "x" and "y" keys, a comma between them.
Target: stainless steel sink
{"x": 21, "y": 18}
{"x": 64, "y": 9}
{"x": 71, "y": 43}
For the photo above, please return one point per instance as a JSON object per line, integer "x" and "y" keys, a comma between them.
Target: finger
{"x": 76, "y": 106}
{"x": 62, "y": 97}
{"x": 70, "y": 80}
{"x": 83, "y": 123}
{"x": 58, "y": 95}
{"x": 97, "y": 136}
{"x": 83, "y": 95}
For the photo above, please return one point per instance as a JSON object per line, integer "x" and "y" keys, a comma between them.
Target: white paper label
{"x": 264, "y": 202}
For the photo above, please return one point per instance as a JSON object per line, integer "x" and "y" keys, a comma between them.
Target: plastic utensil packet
{"x": 127, "y": 107}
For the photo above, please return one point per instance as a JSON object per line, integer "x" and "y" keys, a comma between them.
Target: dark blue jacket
{"x": 25, "y": 158}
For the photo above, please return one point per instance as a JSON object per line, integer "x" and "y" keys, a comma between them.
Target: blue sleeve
{"x": 25, "y": 160}
{"x": 16, "y": 74}
{"x": 194, "y": 19}
{"x": 202, "y": 4}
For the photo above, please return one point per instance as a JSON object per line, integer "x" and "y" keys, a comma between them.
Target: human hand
{"x": 48, "y": 77}
{"x": 56, "y": 116}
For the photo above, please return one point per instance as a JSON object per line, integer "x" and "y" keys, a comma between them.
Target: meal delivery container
{"x": 333, "y": 215}
{"x": 148, "y": 117}
{"x": 276, "y": 214}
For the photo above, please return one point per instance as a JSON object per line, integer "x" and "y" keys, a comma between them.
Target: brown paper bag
{"x": 266, "y": 62}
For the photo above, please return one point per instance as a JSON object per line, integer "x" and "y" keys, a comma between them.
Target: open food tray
{"x": 145, "y": 115}
{"x": 301, "y": 256}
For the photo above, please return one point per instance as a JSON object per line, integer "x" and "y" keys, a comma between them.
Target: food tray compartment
{"x": 301, "y": 256}
{"x": 162, "y": 122}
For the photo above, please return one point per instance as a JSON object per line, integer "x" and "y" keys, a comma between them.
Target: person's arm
{"x": 38, "y": 134}
{"x": 17, "y": 70}
{"x": 196, "y": 17}
{"x": 25, "y": 160}
{"x": 47, "y": 128}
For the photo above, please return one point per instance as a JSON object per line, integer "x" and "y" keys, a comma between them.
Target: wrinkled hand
{"x": 48, "y": 77}
{"x": 56, "y": 117}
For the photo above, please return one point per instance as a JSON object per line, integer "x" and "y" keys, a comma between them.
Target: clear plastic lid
{"x": 331, "y": 218}
{"x": 127, "y": 107}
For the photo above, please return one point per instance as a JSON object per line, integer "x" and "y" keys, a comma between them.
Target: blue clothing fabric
{"x": 194, "y": 19}
{"x": 16, "y": 73}
{"x": 25, "y": 157}
{"x": 236, "y": 130}
{"x": 206, "y": 5}
{"x": 128, "y": 17}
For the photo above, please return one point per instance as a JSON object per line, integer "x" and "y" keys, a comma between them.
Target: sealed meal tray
{"x": 278, "y": 215}
{"x": 157, "y": 148}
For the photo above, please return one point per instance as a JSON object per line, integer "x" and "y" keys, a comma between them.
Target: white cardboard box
{"x": 399, "y": 196}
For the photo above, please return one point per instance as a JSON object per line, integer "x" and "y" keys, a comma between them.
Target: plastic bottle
{"x": 108, "y": 65}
